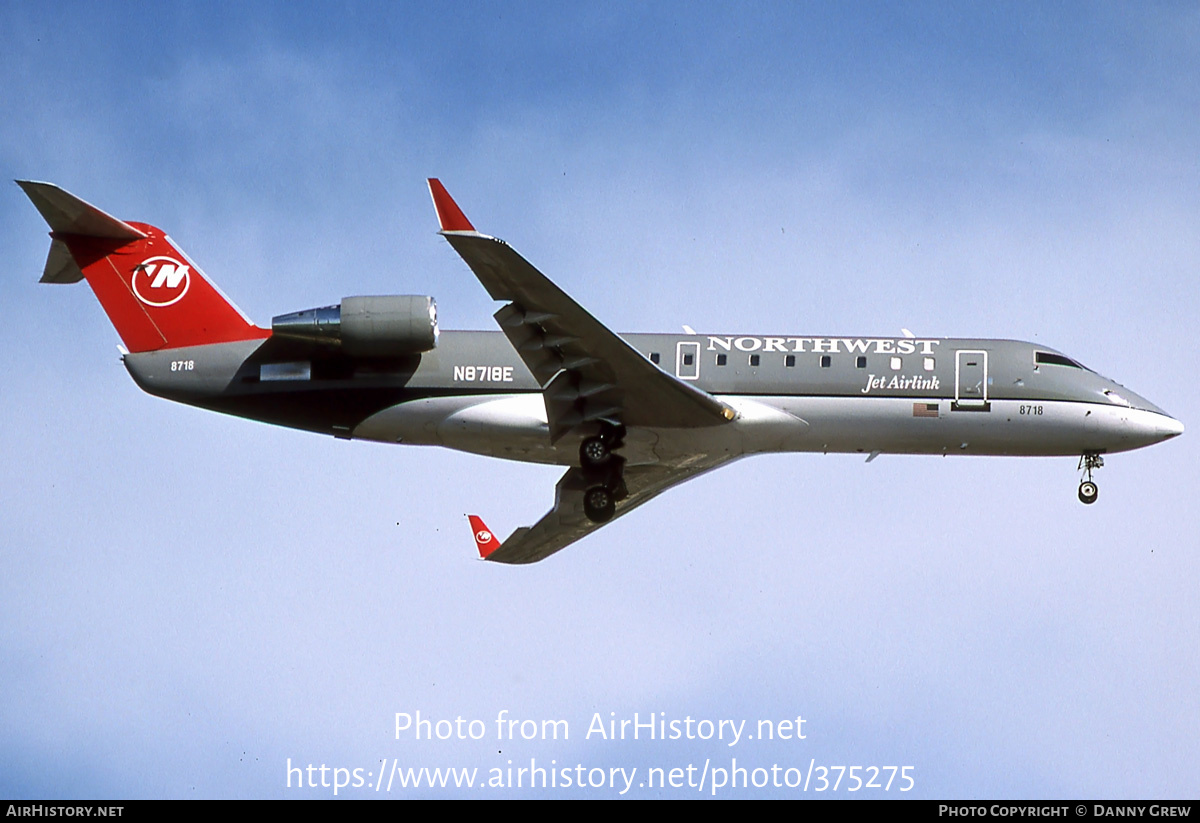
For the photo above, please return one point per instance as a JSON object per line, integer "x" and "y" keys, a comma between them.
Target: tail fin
{"x": 152, "y": 292}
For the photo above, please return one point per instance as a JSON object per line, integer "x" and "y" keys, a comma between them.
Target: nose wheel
{"x": 1088, "y": 490}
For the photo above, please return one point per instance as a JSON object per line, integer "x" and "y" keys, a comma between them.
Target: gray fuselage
{"x": 825, "y": 394}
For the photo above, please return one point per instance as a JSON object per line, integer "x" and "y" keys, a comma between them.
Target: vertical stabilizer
{"x": 153, "y": 293}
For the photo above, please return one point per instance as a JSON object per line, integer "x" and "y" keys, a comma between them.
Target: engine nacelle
{"x": 388, "y": 326}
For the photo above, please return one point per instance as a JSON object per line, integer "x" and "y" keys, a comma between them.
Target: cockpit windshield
{"x": 1057, "y": 360}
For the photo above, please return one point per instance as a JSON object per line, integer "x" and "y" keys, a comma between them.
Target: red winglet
{"x": 448, "y": 212}
{"x": 485, "y": 541}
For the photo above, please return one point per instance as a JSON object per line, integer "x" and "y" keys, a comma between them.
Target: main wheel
{"x": 1088, "y": 492}
{"x": 594, "y": 452}
{"x": 598, "y": 504}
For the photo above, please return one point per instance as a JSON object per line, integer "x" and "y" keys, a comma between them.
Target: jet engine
{"x": 388, "y": 326}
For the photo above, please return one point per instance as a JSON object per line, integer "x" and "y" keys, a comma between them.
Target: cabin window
{"x": 688, "y": 359}
{"x": 754, "y": 359}
{"x": 826, "y": 361}
{"x": 897, "y": 363}
{"x": 654, "y": 358}
{"x": 790, "y": 361}
{"x": 929, "y": 363}
{"x": 721, "y": 358}
{"x": 861, "y": 362}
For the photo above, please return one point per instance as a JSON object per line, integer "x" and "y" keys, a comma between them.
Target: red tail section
{"x": 153, "y": 293}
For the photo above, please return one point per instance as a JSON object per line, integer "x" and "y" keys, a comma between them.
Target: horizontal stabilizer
{"x": 60, "y": 265}
{"x": 67, "y": 214}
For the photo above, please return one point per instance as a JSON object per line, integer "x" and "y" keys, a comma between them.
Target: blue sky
{"x": 187, "y": 601}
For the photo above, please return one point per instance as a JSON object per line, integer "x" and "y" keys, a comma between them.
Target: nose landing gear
{"x": 1088, "y": 490}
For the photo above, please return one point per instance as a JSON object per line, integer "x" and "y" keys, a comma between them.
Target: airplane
{"x": 629, "y": 416}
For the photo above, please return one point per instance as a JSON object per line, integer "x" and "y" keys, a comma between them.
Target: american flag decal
{"x": 925, "y": 409}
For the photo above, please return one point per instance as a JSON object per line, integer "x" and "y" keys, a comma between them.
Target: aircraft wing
{"x": 566, "y": 522}
{"x": 588, "y": 374}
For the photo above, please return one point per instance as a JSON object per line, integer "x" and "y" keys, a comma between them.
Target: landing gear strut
{"x": 605, "y": 471}
{"x": 1088, "y": 490}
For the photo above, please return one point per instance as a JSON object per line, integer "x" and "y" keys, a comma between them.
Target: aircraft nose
{"x": 1168, "y": 427}
{"x": 1136, "y": 428}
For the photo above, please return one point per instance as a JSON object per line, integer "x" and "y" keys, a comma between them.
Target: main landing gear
{"x": 1088, "y": 490}
{"x": 604, "y": 471}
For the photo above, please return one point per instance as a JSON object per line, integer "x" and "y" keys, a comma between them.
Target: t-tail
{"x": 153, "y": 293}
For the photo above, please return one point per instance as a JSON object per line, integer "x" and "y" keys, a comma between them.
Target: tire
{"x": 1088, "y": 492}
{"x": 598, "y": 504}
{"x": 594, "y": 452}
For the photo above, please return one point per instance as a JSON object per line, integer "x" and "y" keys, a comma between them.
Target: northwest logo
{"x": 161, "y": 281}
{"x": 483, "y": 536}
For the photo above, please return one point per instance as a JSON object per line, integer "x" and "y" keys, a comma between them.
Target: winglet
{"x": 485, "y": 541}
{"x": 449, "y": 214}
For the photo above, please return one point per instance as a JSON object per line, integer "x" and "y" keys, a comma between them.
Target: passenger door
{"x": 971, "y": 380}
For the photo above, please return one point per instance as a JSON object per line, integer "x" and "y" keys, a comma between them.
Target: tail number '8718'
{"x": 484, "y": 374}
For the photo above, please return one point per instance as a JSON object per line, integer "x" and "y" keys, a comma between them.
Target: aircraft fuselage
{"x": 791, "y": 393}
